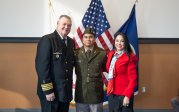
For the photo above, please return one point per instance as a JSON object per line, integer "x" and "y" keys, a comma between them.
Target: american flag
{"x": 95, "y": 18}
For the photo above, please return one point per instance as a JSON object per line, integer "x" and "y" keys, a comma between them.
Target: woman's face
{"x": 119, "y": 43}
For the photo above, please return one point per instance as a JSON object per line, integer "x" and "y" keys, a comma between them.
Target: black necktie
{"x": 88, "y": 53}
{"x": 64, "y": 45}
{"x": 64, "y": 41}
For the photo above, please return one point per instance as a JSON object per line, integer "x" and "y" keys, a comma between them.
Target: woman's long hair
{"x": 127, "y": 47}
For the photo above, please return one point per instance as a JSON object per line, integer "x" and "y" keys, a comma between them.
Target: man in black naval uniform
{"x": 54, "y": 65}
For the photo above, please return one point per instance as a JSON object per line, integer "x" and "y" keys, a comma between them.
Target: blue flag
{"x": 129, "y": 28}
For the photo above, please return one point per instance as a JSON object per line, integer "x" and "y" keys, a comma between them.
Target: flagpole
{"x": 51, "y": 6}
{"x": 135, "y": 1}
{"x": 52, "y": 15}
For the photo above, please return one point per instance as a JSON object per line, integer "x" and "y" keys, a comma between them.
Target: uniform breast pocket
{"x": 95, "y": 67}
{"x": 57, "y": 55}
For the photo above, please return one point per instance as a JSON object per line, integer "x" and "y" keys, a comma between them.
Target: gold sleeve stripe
{"x": 46, "y": 87}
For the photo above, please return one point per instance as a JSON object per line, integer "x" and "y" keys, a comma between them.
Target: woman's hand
{"x": 126, "y": 101}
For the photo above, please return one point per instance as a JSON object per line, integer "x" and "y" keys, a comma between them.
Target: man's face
{"x": 88, "y": 40}
{"x": 64, "y": 26}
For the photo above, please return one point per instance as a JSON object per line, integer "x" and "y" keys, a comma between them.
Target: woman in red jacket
{"x": 122, "y": 75}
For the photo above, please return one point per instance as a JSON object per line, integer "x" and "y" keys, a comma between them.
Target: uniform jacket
{"x": 54, "y": 68}
{"x": 125, "y": 75}
{"x": 89, "y": 85}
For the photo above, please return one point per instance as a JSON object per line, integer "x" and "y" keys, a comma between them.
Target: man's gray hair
{"x": 66, "y": 16}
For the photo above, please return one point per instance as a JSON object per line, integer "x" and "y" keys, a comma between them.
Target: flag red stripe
{"x": 79, "y": 33}
{"x": 76, "y": 44}
{"x": 104, "y": 80}
{"x": 109, "y": 37}
{"x": 103, "y": 43}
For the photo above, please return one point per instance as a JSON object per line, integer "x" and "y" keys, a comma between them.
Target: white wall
{"x": 23, "y": 18}
{"x": 30, "y": 18}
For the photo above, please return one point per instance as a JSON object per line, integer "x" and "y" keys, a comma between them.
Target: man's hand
{"x": 50, "y": 97}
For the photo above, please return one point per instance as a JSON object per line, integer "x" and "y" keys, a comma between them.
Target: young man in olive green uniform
{"x": 89, "y": 65}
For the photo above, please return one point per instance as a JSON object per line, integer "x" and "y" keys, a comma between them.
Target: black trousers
{"x": 54, "y": 106}
{"x": 116, "y": 104}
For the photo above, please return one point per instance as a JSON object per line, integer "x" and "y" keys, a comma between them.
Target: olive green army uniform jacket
{"x": 89, "y": 84}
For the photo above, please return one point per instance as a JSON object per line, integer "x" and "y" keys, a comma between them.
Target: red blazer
{"x": 125, "y": 75}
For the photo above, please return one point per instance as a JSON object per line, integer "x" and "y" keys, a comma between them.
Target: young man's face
{"x": 88, "y": 40}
